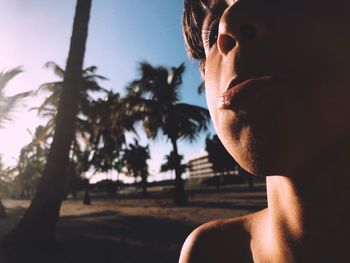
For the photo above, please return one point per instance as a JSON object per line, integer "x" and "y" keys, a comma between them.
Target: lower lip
{"x": 246, "y": 91}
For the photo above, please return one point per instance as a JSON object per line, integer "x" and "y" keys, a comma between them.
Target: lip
{"x": 239, "y": 92}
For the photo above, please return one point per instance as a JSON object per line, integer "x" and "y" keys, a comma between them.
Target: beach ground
{"x": 131, "y": 229}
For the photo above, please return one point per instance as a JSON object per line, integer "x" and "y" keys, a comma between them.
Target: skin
{"x": 294, "y": 130}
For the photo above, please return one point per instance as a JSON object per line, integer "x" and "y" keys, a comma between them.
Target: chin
{"x": 262, "y": 160}
{"x": 260, "y": 153}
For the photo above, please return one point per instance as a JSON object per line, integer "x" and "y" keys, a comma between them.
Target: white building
{"x": 201, "y": 168}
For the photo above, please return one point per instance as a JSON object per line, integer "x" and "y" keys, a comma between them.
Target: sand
{"x": 132, "y": 229}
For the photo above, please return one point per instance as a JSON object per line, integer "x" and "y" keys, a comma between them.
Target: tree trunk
{"x": 144, "y": 185}
{"x": 180, "y": 196}
{"x": 250, "y": 181}
{"x": 218, "y": 181}
{"x": 2, "y": 210}
{"x": 37, "y": 227}
{"x": 87, "y": 197}
{"x": 248, "y": 176}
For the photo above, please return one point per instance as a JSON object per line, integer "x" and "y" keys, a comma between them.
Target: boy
{"x": 278, "y": 91}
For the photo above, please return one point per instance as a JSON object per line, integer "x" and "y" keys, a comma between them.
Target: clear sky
{"x": 121, "y": 33}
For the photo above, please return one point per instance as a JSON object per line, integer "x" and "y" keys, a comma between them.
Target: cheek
{"x": 215, "y": 79}
{"x": 224, "y": 123}
{"x": 221, "y": 119}
{"x": 211, "y": 98}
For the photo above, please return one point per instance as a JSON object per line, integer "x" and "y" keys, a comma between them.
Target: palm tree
{"x": 222, "y": 161}
{"x": 8, "y": 104}
{"x": 3, "y": 175}
{"x": 2, "y": 210}
{"x": 135, "y": 159}
{"x": 31, "y": 163}
{"x": 201, "y": 88}
{"x": 48, "y": 109}
{"x": 218, "y": 156}
{"x": 106, "y": 127}
{"x": 37, "y": 226}
{"x": 154, "y": 98}
{"x": 172, "y": 161}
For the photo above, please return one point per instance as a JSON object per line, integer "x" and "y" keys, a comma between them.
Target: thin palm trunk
{"x": 2, "y": 210}
{"x": 180, "y": 196}
{"x": 249, "y": 178}
{"x": 87, "y": 198}
{"x": 144, "y": 185}
{"x": 39, "y": 222}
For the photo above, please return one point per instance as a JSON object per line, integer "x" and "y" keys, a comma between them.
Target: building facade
{"x": 200, "y": 168}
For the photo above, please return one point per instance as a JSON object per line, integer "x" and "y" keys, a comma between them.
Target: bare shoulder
{"x": 221, "y": 241}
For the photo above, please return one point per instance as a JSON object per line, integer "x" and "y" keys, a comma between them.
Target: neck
{"x": 308, "y": 209}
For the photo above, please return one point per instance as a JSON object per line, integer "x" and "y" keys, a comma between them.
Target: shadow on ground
{"x": 109, "y": 237}
{"x": 114, "y": 234}
{"x": 227, "y": 205}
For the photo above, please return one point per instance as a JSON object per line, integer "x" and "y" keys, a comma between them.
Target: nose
{"x": 240, "y": 24}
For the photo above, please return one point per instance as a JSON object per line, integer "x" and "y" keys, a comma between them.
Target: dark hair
{"x": 192, "y": 22}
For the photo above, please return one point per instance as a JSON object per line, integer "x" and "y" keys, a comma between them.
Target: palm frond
{"x": 6, "y": 76}
{"x": 177, "y": 75}
{"x": 56, "y": 69}
{"x": 19, "y": 96}
{"x": 49, "y": 104}
{"x": 94, "y": 77}
{"x": 92, "y": 85}
{"x": 50, "y": 87}
{"x": 190, "y": 121}
{"x": 41, "y": 134}
{"x": 196, "y": 113}
{"x": 201, "y": 88}
{"x": 89, "y": 70}
{"x": 9, "y": 104}
{"x": 154, "y": 99}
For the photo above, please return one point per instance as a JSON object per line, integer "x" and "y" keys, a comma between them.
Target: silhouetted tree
{"x": 8, "y": 105}
{"x": 221, "y": 160}
{"x": 248, "y": 176}
{"x": 201, "y": 88}
{"x": 48, "y": 109}
{"x": 39, "y": 222}
{"x": 135, "y": 161}
{"x": 31, "y": 162}
{"x": 2, "y": 210}
{"x": 90, "y": 85}
{"x": 107, "y": 125}
{"x": 154, "y": 98}
{"x": 172, "y": 161}
{"x": 73, "y": 180}
{"x": 3, "y": 182}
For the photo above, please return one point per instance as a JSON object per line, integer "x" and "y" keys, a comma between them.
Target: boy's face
{"x": 293, "y": 58}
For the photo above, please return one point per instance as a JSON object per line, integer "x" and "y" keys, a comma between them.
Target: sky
{"x": 121, "y": 34}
